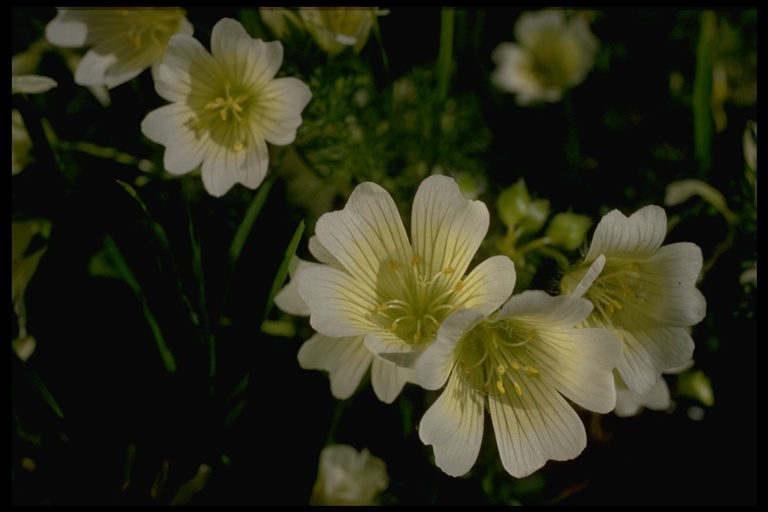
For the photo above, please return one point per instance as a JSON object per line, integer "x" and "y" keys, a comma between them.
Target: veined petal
{"x": 539, "y": 309}
{"x": 340, "y": 305}
{"x": 288, "y": 298}
{"x": 317, "y": 250}
{"x": 224, "y": 166}
{"x": 435, "y": 363}
{"x": 629, "y": 403}
{"x": 579, "y": 363}
{"x": 365, "y": 233}
{"x": 454, "y": 426}
{"x": 446, "y": 228}
{"x": 488, "y": 285}
{"x": 345, "y": 359}
{"x": 388, "y": 379}
{"x": 391, "y": 348}
{"x": 187, "y": 69}
{"x": 636, "y": 237}
{"x": 168, "y": 125}
{"x": 256, "y": 62}
{"x": 278, "y": 114}
{"x": 648, "y": 353}
{"x": 534, "y": 427}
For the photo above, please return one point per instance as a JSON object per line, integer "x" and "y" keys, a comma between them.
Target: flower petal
{"x": 454, "y": 426}
{"x": 367, "y": 232}
{"x": 278, "y": 114}
{"x": 648, "y": 353}
{"x": 340, "y": 305}
{"x": 636, "y": 237}
{"x": 534, "y": 427}
{"x": 66, "y": 30}
{"x": 345, "y": 359}
{"x": 253, "y": 61}
{"x": 187, "y": 68}
{"x": 169, "y": 126}
{"x": 224, "y": 166}
{"x": 488, "y": 285}
{"x": 388, "y": 379}
{"x": 288, "y": 298}
{"x": 446, "y": 228}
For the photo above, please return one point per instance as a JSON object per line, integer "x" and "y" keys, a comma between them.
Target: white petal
{"x": 340, "y": 306}
{"x": 535, "y": 427}
{"x": 454, "y": 426}
{"x": 543, "y": 310}
{"x": 288, "y": 298}
{"x": 32, "y": 84}
{"x": 391, "y": 348}
{"x": 434, "y": 365}
{"x": 446, "y": 228}
{"x": 254, "y": 60}
{"x": 224, "y": 166}
{"x": 366, "y": 233}
{"x": 169, "y": 126}
{"x": 278, "y": 114}
{"x": 345, "y": 359}
{"x": 488, "y": 285}
{"x": 322, "y": 254}
{"x": 66, "y": 30}
{"x": 187, "y": 68}
{"x": 530, "y": 26}
{"x": 388, "y": 379}
{"x": 648, "y": 353}
{"x": 92, "y": 70}
{"x": 629, "y": 403}
{"x": 592, "y": 273}
{"x": 636, "y": 237}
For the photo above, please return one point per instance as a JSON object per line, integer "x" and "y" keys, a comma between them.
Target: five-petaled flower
{"x": 552, "y": 53}
{"x": 226, "y": 105}
{"x": 392, "y": 293}
{"x": 520, "y": 363}
{"x": 642, "y": 290}
{"x": 124, "y": 42}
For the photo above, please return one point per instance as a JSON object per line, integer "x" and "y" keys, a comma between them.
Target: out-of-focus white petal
{"x": 168, "y": 125}
{"x": 345, "y": 359}
{"x": 388, "y": 380}
{"x": 32, "y": 84}
{"x": 647, "y": 353}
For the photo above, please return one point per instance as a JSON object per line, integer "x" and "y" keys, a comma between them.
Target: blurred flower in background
{"x": 124, "y": 42}
{"x": 346, "y": 476}
{"x": 553, "y": 52}
{"x": 227, "y": 105}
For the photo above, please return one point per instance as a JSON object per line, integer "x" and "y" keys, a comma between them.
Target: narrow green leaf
{"x": 244, "y": 229}
{"x": 282, "y": 271}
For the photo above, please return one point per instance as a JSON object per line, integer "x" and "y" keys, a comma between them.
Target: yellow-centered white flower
{"x": 226, "y": 105}
{"x": 348, "y": 477}
{"x": 124, "y": 41}
{"x": 642, "y": 290}
{"x": 392, "y": 292}
{"x": 521, "y": 364}
{"x": 552, "y": 53}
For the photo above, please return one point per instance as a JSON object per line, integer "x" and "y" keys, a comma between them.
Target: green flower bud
{"x": 516, "y": 209}
{"x": 567, "y": 230}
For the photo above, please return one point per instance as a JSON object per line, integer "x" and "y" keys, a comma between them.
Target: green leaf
{"x": 282, "y": 271}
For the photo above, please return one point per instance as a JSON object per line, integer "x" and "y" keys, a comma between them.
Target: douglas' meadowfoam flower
{"x": 521, "y": 364}
{"x": 227, "y": 105}
{"x": 124, "y": 42}
{"x": 348, "y": 477}
{"x": 643, "y": 291}
{"x": 393, "y": 292}
{"x": 552, "y": 53}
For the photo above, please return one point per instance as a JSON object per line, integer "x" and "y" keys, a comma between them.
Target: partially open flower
{"x": 348, "y": 477}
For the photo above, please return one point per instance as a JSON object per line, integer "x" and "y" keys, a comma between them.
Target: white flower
{"x": 21, "y": 143}
{"x": 630, "y": 403}
{"x": 348, "y": 477}
{"x": 643, "y": 291}
{"x": 124, "y": 42}
{"x": 391, "y": 293}
{"x": 521, "y": 364}
{"x": 226, "y": 105}
{"x": 31, "y": 84}
{"x": 552, "y": 54}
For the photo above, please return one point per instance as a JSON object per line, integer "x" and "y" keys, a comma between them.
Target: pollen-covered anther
{"x": 501, "y": 369}
{"x": 459, "y": 286}
{"x": 518, "y": 389}
{"x": 393, "y": 266}
{"x": 500, "y": 387}
{"x": 448, "y": 270}
{"x": 531, "y": 371}
{"x": 415, "y": 260}
{"x": 531, "y": 335}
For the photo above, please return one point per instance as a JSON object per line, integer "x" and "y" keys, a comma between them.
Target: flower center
{"x": 494, "y": 359}
{"x": 617, "y": 285}
{"x": 151, "y": 28}
{"x": 414, "y": 304}
{"x": 225, "y": 117}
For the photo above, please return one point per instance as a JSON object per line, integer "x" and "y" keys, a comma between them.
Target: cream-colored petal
{"x": 254, "y": 61}
{"x": 648, "y": 353}
{"x": 322, "y": 254}
{"x": 390, "y": 347}
{"x": 629, "y": 403}
{"x": 32, "y": 84}
{"x": 446, "y": 228}
{"x": 187, "y": 69}
{"x": 388, "y": 379}
{"x": 365, "y": 234}
{"x": 579, "y": 363}
{"x": 278, "y": 114}
{"x": 434, "y": 365}
{"x": 534, "y": 427}
{"x": 169, "y": 126}
{"x": 66, "y": 30}
{"x": 340, "y": 305}
{"x": 224, "y": 166}
{"x": 92, "y": 70}
{"x": 488, "y": 285}
{"x": 636, "y": 237}
{"x": 345, "y": 359}
{"x": 532, "y": 25}
{"x": 544, "y": 311}
{"x": 288, "y": 298}
{"x": 453, "y": 425}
